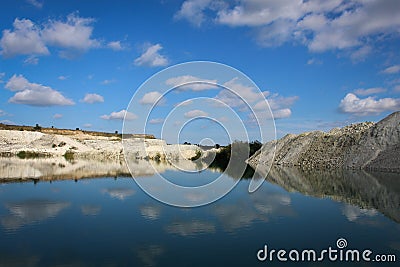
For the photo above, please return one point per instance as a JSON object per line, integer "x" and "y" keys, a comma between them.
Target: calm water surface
{"x": 110, "y": 221}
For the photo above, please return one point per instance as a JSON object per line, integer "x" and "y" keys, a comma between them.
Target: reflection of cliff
{"x": 58, "y": 169}
{"x": 15, "y": 169}
{"x": 380, "y": 191}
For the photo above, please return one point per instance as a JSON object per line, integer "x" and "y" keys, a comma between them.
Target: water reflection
{"x": 120, "y": 193}
{"x": 31, "y": 211}
{"x": 190, "y": 228}
{"x": 354, "y": 213}
{"x": 58, "y": 169}
{"x": 150, "y": 254}
{"x": 134, "y": 230}
{"x": 18, "y": 261}
{"x": 151, "y": 212}
{"x": 50, "y": 169}
{"x": 263, "y": 206}
{"x": 90, "y": 210}
{"x": 368, "y": 191}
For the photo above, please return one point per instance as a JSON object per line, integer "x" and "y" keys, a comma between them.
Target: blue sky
{"x": 320, "y": 63}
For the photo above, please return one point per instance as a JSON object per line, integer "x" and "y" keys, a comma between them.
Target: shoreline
{"x": 78, "y": 144}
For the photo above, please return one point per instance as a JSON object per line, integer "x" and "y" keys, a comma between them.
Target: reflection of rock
{"x": 149, "y": 254}
{"x": 190, "y": 228}
{"x": 90, "y": 210}
{"x": 119, "y": 193}
{"x": 15, "y": 169}
{"x": 380, "y": 191}
{"x": 151, "y": 212}
{"x": 31, "y": 211}
{"x": 58, "y": 169}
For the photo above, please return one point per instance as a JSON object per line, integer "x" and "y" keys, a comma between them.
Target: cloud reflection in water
{"x": 31, "y": 211}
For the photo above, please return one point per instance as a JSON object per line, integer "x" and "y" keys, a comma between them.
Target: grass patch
{"x": 157, "y": 157}
{"x": 29, "y": 155}
{"x": 69, "y": 155}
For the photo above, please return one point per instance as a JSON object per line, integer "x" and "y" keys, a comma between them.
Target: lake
{"x": 59, "y": 216}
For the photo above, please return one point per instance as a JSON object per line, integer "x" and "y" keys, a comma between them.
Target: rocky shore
{"x": 80, "y": 145}
{"x": 372, "y": 146}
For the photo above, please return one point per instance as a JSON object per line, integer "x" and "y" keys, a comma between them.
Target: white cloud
{"x": 397, "y": 89}
{"x": 195, "y": 113}
{"x": 120, "y": 115}
{"x": 87, "y": 125}
{"x": 223, "y": 119}
{"x": 184, "y": 103}
{"x": 258, "y": 13}
{"x": 106, "y": 82}
{"x": 276, "y": 102}
{"x": 280, "y": 107}
{"x": 62, "y": 78}
{"x": 2, "y": 75}
{"x": 314, "y": 61}
{"x": 57, "y": 116}
{"x": 156, "y": 121}
{"x": 24, "y": 40}
{"x": 197, "y": 84}
{"x": 282, "y": 113}
{"x": 115, "y": 45}
{"x": 263, "y": 115}
{"x": 369, "y": 91}
{"x": 318, "y": 24}
{"x": 151, "y": 57}
{"x": 93, "y": 98}
{"x": 192, "y": 10}
{"x": 356, "y": 24}
{"x": 2, "y": 113}
{"x": 238, "y": 93}
{"x": 74, "y": 33}
{"x": 392, "y": 69}
{"x": 367, "y": 106}
{"x": 151, "y": 98}
{"x": 35, "y": 3}
{"x": 34, "y": 94}
{"x": 275, "y": 34}
{"x": 361, "y": 53}
{"x": 31, "y": 60}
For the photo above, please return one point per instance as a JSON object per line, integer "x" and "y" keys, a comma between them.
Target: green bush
{"x": 157, "y": 157}
{"x": 197, "y": 156}
{"x": 237, "y": 152}
{"x": 69, "y": 155}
